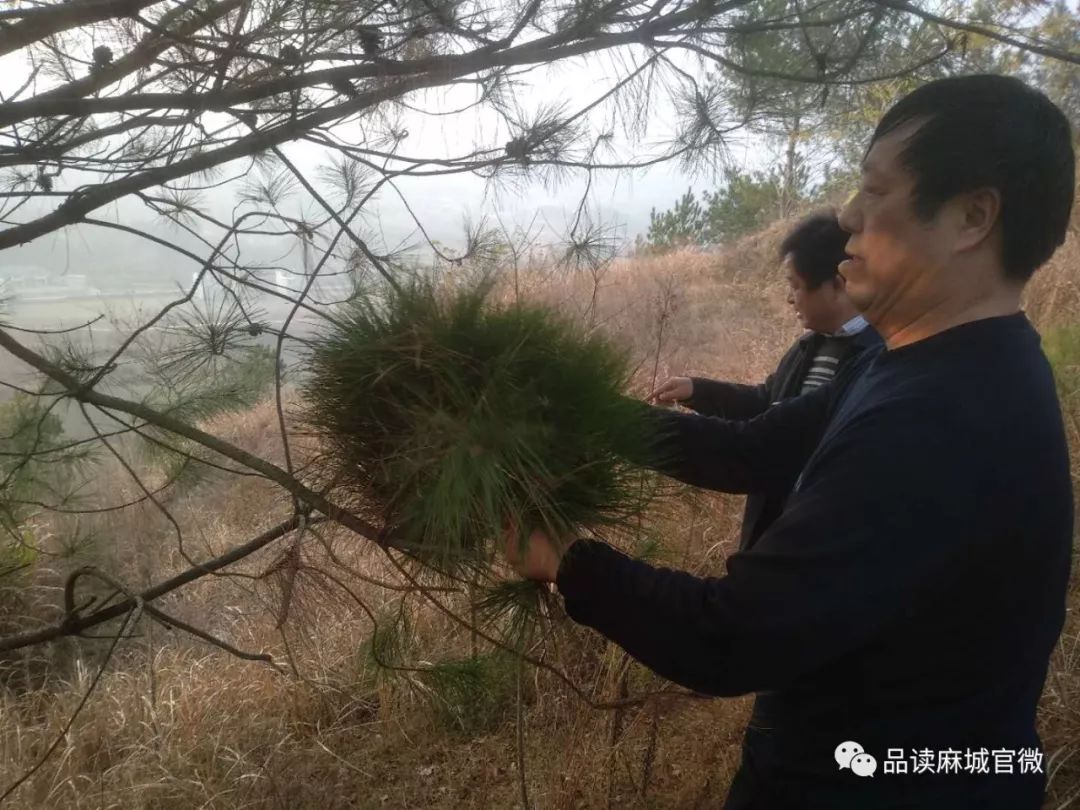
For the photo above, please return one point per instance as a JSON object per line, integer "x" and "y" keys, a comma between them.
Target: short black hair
{"x": 816, "y": 245}
{"x": 987, "y": 131}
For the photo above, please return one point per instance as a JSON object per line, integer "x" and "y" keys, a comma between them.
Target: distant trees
{"x": 814, "y": 134}
{"x": 682, "y": 224}
{"x": 744, "y": 203}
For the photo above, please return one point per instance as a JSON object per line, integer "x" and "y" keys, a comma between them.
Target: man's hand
{"x": 674, "y": 389}
{"x": 538, "y": 559}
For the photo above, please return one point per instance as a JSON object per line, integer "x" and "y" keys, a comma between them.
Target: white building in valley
{"x": 33, "y": 283}
{"x": 327, "y": 289}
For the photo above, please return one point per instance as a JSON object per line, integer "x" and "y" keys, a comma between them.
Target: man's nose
{"x": 848, "y": 217}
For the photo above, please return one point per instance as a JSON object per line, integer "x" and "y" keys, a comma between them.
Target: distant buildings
{"x": 326, "y": 289}
{"x": 30, "y": 283}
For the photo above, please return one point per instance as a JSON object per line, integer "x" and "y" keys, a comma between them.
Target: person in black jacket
{"x": 811, "y": 253}
{"x": 896, "y": 621}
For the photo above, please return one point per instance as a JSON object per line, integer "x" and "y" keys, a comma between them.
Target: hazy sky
{"x": 619, "y": 198}
{"x": 441, "y": 204}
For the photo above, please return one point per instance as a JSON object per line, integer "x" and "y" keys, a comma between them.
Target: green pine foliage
{"x": 744, "y": 203}
{"x": 234, "y": 383}
{"x": 683, "y": 224}
{"x": 511, "y": 609}
{"x": 39, "y": 467}
{"x": 472, "y": 695}
{"x": 450, "y": 417}
{"x": 36, "y": 463}
{"x": 389, "y": 639}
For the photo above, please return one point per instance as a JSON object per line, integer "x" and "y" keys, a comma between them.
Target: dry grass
{"x": 1053, "y": 296}
{"x": 175, "y": 723}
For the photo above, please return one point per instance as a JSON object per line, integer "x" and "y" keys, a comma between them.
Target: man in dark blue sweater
{"x": 896, "y": 621}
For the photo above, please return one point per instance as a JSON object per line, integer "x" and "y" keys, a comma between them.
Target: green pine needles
{"x": 450, "y": 417}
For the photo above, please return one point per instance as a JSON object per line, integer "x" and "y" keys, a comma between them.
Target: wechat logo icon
{"x": 852, "y": 756}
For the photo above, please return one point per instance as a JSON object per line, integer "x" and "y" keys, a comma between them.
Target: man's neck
{"x": 945, "y": 315}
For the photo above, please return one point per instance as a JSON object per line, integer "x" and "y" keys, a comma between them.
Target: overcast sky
{"x": 622, "y": 200}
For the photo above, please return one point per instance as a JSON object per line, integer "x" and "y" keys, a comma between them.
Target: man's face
{"x": 819, "y": 309}
{"x": 894, "y": 254}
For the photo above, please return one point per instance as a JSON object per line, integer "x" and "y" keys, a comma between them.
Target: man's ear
{"x": 978, "y": 216}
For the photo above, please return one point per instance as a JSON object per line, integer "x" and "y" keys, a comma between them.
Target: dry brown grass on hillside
{"x": 176, "y": 724}
{"x": 1053, "y": 296}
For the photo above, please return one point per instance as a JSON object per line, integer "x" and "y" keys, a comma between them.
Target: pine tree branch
{"x": 823, "y": 80}
{"x": 78, "y": 391}
{"x": 45, "y": 21}
{"x": 1072, "y": 57}
{"x": 142, "y": 56}
{"x": 75, "y": 624}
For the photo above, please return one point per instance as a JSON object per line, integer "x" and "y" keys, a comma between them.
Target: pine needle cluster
{"x": 450, "y": 418}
